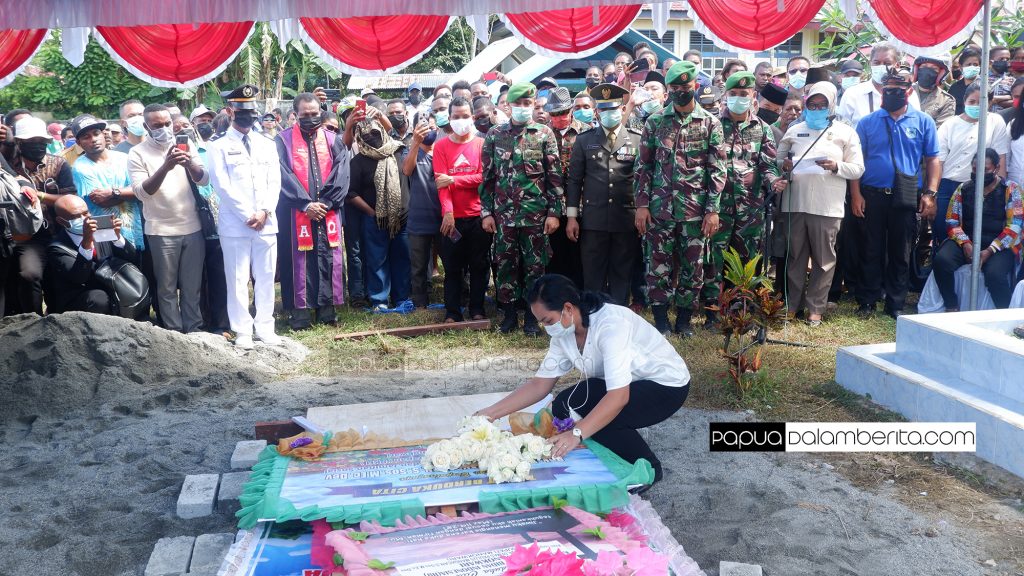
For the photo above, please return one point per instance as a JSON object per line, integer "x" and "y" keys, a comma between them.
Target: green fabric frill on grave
{"x": 261, "y": 497}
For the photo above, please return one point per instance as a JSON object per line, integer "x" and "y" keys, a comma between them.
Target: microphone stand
{"x": 762, "y": 334}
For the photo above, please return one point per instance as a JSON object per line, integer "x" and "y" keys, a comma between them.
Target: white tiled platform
{"x": 957, "y": 367}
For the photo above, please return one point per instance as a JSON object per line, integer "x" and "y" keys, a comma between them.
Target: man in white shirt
{"x": 245, "y": 170}
{"x": 862, "y": 99}
{"x": 160, "y": 173}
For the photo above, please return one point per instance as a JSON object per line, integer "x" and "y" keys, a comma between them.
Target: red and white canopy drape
{"x": 364, "y": 38}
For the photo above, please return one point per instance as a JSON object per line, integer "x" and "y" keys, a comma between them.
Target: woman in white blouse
{"x": 958, "y": 146}
{"x": 632, "y": 376}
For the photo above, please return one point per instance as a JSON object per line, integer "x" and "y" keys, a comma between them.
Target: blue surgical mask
{"x": 522, "y": 114}
{"x": 77, "y": 226}
{"x": 878, "y": 73}
{"x": 650, "y": 106}
{"x": 585, "y": 115}
{"x": 611, "y": 118}
{"x": 973, "y": 111}
{"x": 816, "y": 119}
{"x": 738, "y": 104}
{"x": 971, "y": 72}
{"x": 798, "y": 80}
{"x": 555, "y": 330}
{"x": 441, "y": 118}
{"x": 850, "y": 82}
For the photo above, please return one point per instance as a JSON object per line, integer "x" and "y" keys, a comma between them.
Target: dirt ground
{"x": 99, "y": 434}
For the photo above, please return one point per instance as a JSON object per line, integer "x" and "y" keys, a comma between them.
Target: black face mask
{"x": 415, "y": 99}
{"x": 926, "y": 78}
{"x": 894, "y": 99}
{"x": 610, "y": 78}
{"x": 591, "y": 82}
{"x": 1000, "y": 66}
{"x": 244, "y": 121}
{"x": 681, "y": 98}
{"x": 957, "y": 74}
{"x": 310, "y": 124}
{"x": 767, "y": 115}
{"x": 430, "y": 138}
{"x": 398, "y": 121}
{"x": 33, "y": 151}
{"x": 373, "y": 139}
{"x": 483, "y": 124}
{"x": 205, "y": 130}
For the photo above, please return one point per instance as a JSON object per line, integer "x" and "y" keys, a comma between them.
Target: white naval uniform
{"x": 247, "y": 182}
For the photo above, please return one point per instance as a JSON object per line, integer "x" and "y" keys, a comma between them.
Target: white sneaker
{"x": 243, "y": 342}
{"x": 270, "y": 339}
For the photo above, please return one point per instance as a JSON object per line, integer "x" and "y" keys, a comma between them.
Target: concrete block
{"x": 209, "y": 552}
{"x": 738, "y": 569}
{"x": 247, "y": 453}
{"x": 171, "y": 556}
{"x": 231, "y": 485}
{"x": 198, "y": 494}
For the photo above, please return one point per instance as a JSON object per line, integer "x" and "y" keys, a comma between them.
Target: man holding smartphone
{"x": 163, "y": 171}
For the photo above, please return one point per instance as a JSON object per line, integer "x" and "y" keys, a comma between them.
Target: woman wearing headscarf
{"x": 380, "y": 192}
{"x": 827, "y": 154}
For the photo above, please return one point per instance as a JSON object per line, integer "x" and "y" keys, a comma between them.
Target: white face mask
{"x": 798, "y": 80}
{"x": 461, "y": 126}
{"x": 850, "y": 82}
{"x": 878, "y": 73}
{"x": 500, "y": 118}
{"x": 164, "y": 135}
{"x": 555, "y": 330}
{"x": 136, "y": 126}
{"x": 522, "y": 114}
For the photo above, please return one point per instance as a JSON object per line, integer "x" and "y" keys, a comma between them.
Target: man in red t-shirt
{"x": 458, "y": 172}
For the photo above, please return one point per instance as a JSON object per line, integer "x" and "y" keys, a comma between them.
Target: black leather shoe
{"x": 511, "y": 320}
{"x": 683, "y": 326}
{"x": 711, "y": 320}
{"x": 865, "y": 311}
{"x": 530, "y": 327}
{"x": 895, "y": 313}
{"x": 661, "y": 319}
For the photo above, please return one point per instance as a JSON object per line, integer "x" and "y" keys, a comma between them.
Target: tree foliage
{"x": 453, "y": 51}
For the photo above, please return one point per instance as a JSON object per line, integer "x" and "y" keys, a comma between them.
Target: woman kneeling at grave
{"x": 632, "y": 376}
{"x": 1001, "y": 219}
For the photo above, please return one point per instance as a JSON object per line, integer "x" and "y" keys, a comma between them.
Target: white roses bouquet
{"x": 503, "y": 456}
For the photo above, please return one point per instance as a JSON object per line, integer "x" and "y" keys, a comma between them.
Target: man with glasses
{"x": 796, "y": 70}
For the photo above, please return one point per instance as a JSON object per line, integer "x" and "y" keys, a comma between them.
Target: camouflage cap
{"x": 741, "y": 79}
{"x": 681, "y": 73}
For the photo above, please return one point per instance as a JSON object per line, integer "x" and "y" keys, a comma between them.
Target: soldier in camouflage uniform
{"x": 521, "y": 201}
{"x": 680, "y": 174}
{"x": 750, "y": 159}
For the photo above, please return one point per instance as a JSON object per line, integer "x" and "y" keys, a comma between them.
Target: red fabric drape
{"x": 374, "y": 44}
{"x": 925, "y": 22}
{"x": 174, "y": 55}
{"x": 16, "y": 49}
{"x": 572, "y": 31}
{"x": 755, "y": 24}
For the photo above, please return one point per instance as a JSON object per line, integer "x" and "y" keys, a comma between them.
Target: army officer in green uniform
{"x": 599, "y": 197}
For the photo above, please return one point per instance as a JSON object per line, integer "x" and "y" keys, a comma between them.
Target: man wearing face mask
{"x": 680, "y": 176}
{"x": 970, "y": 67}
{"x": 73, "y": 256}
{"x": 646, "y": 101}
{"x": 935, "y": 102}
{"x": 314, "y": 184}
{"x": 864, "y": 98}
{"x": 850, "y": 73}
{"x": 750, "y": 160}
{"x": 599, "y": 198}
{"x": 162, "y": 177}
{"x": 907, "y": 136}
{"x": 202, "y": 119}
{"x": 565, "y": 255}
{"x": 521, "y": 199}
{"x": 484, "y": 116}
{"x": 439, "y": 108}
{"x": 771, "y": 100}
{"x": 414, "y": 94}
{"x": 583, "y": 110}
{"x": 399, "y": 119}
{"x": 797, "y": 69}
{"x": 1000, "y": 79}
{"x": 245, "y": 170}
{"x": 133, "y": 124}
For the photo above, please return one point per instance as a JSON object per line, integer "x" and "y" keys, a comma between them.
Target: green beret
{"x": 681, "y": 73}
{"x": 521, "y": 90}
{"x": 742, "y": 79}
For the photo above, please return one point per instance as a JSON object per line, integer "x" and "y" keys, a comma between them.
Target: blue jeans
{"x": 387, "y": 263}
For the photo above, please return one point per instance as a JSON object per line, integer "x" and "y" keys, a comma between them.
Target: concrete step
{"x": 976, "y": 347}
{"x": 937, "y": 396}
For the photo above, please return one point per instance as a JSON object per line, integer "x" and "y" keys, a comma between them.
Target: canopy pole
{"x": 979, "y": 181}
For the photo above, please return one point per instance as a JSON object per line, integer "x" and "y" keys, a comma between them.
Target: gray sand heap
{"x": 59, "y": 363}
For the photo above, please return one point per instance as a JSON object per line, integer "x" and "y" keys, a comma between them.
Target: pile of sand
{"x": 60, "y": 363}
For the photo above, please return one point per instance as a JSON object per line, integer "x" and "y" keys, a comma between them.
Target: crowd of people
{"x": 635, "y": 187}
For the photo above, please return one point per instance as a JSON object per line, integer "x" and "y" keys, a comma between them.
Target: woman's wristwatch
{"x": 578, "y": 433}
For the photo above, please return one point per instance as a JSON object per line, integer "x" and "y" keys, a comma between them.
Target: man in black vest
{"x": 599, "y": 197}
